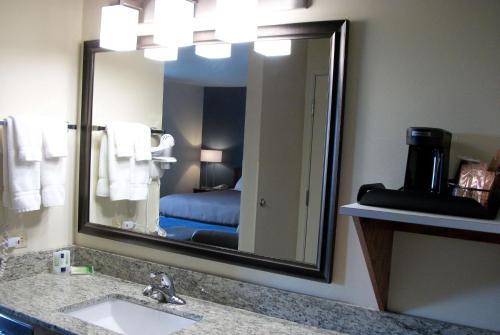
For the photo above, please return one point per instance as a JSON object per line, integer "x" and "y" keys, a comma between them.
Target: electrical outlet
{"x": 21, "y": 243}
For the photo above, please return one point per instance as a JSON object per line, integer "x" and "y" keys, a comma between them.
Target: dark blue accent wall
{"x": 223, "y": 129}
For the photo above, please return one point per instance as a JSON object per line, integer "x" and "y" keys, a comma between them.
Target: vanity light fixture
{"x": 273, "y": 48}
{"x": 236, "y": 21}
{"x": 161, "y": 54}
{"x": 173, "y": 23}
{"x": 213, "y": 51}
{"x": 119, "y": 26}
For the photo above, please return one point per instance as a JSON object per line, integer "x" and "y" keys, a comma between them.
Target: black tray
{"x": 376, "y": 195}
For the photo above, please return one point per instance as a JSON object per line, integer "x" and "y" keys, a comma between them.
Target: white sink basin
{"x": 127, "y": 318}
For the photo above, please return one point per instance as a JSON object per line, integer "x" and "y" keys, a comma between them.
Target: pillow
{"x": 238, "y": 185}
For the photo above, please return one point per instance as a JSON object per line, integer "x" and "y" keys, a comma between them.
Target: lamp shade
{"x": 119, "y": 28}
{"x": 236, "y": 21}
{"x": 213, "y": 156}
{"x": 173, "y": 23}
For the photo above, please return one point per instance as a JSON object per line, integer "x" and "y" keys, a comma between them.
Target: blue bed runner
{"x": 192, "y": 226}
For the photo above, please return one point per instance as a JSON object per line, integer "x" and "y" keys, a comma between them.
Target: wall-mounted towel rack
{"x": 153, "y": 130}
{"x": 70, "y": 126}
{"x": 98, "y": 128}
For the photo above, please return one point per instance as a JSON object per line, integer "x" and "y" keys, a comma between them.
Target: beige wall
{"x": 410, "y": 63}
{"x": 39, "y": 75}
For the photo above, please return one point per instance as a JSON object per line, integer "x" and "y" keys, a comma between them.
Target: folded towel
{"x": 140, "y": 176}
{"x": 21, "y": 177}
{"x": 4, "y": 186}
{"x": 55, "y": 138}
{"x": 53, "y": 164}
{"x": 28, "y": 138}
{"x": 142, "y": 143}
{"x": 102, "y": 189}
{"x": 53, "y": 181}
{"x": 123, "y": 134}
{"x": 119, "y": 168}
{"x": 139, "y": 180}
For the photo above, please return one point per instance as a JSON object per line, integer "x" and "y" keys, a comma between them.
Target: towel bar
{"x": 98, "y": 128}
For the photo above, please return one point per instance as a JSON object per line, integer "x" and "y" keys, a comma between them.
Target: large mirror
{"x": 234, "y": 158}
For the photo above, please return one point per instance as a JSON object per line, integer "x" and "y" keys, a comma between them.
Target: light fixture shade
{"x": 212, "y": 156}
{"x": 161, "y": 54}
{"x": 213, "y": 51}
{"x": 119, "y": 28}
{"x": 173, "y": 23}
{"x": 236, "y": 21}
{"x": 273, "y": 48}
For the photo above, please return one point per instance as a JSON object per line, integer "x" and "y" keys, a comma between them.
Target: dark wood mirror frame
{"x": 322, "y": 270}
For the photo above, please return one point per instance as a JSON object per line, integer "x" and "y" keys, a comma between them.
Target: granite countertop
{"x": 42, "y": 299}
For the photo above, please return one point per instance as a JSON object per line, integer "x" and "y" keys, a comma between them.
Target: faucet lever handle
{"x": 165, "y": 279}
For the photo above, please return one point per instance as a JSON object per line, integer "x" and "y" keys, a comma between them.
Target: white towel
{"x": 53, "y": 164}
{"x": 140, "y": 180}
{"x": 123, "y": 135}
{"x": 124, "y": 178}
{"x": 140, "y": 177}
{"x": 55, "y": 138}
{"x": 2, "y": 162}
{"x": 102, "y": 189}
{"x": 142, "y": 143}
{"x": 21, "y": 178}
{"x": 28, "y": 138}
{"x": 119, "y": 168}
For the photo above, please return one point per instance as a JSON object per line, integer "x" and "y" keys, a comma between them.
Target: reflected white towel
{"x": 140, "y": 177}
{"x": 140, "y": 180}
{"x": 28, "y": 138}
{"x": 142, "y": 143}
{"x": 123, "y": 135}
{"x": 53, "y": 164}
{"x": 119, "y": 168}
{"x": 21, "y": 178}
{"x": 102, "y": 189}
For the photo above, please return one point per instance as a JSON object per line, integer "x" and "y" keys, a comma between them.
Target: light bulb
{"x": 119, "y": 28}
{"x": 173, "y": 23}
{"x": 213, "y": 51}
{"x": 236, "y": 21}
{"x": 161, "y": 54}
{"x": 273, "y": 48}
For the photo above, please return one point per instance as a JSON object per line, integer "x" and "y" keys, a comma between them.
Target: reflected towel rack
{"x": 153, "y": 130}
{"x": 98, "y": 128}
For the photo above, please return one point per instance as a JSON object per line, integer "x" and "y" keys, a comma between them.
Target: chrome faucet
{"x": 164, "y": 291}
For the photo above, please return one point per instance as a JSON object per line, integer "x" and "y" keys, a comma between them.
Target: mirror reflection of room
{"x": 220, "y": 119}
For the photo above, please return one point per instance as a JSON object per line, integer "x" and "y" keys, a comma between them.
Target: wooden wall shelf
{"x": 376, "y": 226}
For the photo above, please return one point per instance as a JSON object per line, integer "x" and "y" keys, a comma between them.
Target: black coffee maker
{"x": 428, "y": 160}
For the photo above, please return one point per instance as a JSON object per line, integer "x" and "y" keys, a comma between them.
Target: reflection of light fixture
{"x": 213, "y": 51}
{"x": 173, "y": 23}
{"x": 273, "y": 48}
{"x": 119, "y": 28}
{"x": 210, "y": 156}
{"x": 236, "y": 21}
{"x": 161, "y": 54}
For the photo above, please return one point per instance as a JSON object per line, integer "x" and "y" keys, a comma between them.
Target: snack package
{"x": 476, "y": 182}
{"x": 495, "y": 167}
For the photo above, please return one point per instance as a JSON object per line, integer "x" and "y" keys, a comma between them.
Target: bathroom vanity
{"x": 54, "y": 303}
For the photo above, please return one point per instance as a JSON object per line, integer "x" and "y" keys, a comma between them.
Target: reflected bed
{"x": 184, "y": 215}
